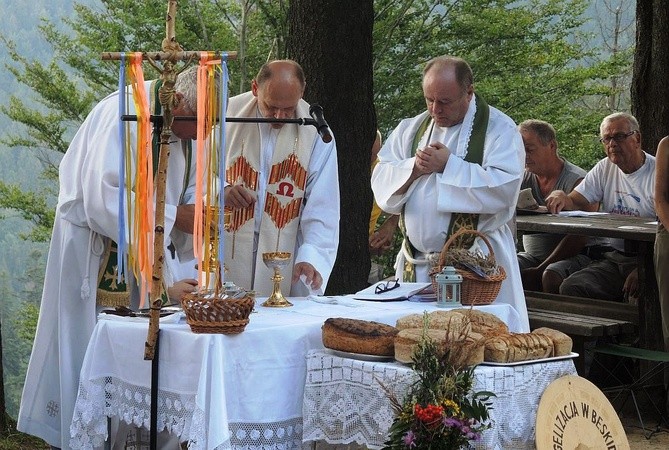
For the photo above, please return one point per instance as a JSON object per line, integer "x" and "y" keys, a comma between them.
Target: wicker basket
{"x": 208, "y": 314}
{"x": 475, "y": 290}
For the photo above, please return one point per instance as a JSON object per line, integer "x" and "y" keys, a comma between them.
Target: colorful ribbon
{"x": 122, "y": 259}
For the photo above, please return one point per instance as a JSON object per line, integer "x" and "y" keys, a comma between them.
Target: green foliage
{"x": 32, "y": 207}
{"x": 58, "y": 96}
{"x": 19, "y": 314}
{"x": 11, "y": 439}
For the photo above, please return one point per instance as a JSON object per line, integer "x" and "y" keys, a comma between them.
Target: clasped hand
{"x": 432, "y": 158}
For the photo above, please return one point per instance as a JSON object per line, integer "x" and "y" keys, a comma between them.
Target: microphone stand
{"x": 158, "y": 121}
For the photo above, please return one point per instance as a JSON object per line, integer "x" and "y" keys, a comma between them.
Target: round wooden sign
{"x": 574, "y": 414}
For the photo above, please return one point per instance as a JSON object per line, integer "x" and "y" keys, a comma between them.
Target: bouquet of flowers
{"x": 439, "y": 411}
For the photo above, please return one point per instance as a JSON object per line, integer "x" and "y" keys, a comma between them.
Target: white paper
{"x": 334, "y": 300}
{"x": 581, "y": 213}
{"x": 571, "y": 224}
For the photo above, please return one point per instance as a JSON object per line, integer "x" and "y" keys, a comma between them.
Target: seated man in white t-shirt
{"x": 623, "y": 183}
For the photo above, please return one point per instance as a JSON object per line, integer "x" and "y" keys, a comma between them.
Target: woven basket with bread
{"x": 477, "y": 288}
{"x": 207, "y": 312}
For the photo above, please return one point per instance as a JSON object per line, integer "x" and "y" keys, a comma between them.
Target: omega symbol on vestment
{"x": 285, "y": 189}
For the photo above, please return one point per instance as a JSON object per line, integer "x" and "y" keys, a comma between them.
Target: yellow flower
{"x": 451, "y": 405}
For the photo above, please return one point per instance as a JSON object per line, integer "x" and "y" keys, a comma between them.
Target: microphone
{"x": 316, "y": 113}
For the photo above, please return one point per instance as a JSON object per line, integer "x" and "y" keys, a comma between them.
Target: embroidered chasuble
{"x": 475, "y": 155}
{"x": 283, "y": 197}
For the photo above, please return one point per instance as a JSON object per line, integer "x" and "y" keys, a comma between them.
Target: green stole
{"x": 111, "y": 292}
{"x": 474, "y": 155}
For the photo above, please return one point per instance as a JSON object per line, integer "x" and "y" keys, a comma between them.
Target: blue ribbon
{"x": 122, "y": 257}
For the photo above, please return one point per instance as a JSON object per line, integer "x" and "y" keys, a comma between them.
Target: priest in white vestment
{"x": 86, "y": 221}
{"x": 423, "y": 175}
{"x": 282, "y": 186}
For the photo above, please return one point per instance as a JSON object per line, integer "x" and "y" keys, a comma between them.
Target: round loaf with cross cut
{"x": 359, "y": 336}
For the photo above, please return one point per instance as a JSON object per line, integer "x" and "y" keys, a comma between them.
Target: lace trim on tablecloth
{"x": 177, "y": 413}
{"x": 344, "y": 403}
{"x": 284, "y": 435}
{"x": 112, "y": 397}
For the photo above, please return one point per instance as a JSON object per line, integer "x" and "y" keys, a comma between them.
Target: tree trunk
{"x": 3, "y": 406}
{"x": 650, "y": 105}
{"x": 337, "y": 61}
{"x": 650, "y": 92}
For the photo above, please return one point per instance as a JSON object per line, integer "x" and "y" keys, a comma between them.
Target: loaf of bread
{"x": 407, "y": 339}
{"x": 562, "y": 344}
{"x": 454, "y": 323}
{"x": 483, "y": 322}
{"x": 457, "y": 325}
{"x": 436, "y": 319}
{"x": 409, "y": 321}
{"x": 466, "y": 350}
{"x": 359, "y": 336}
{"x": 514, "y": 347}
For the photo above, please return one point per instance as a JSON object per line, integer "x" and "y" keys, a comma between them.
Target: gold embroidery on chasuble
{"x": 285, "y": 191}
{"x": 241, "y": 172}
{"x": 283, "y": 198}
{"x": 111, "y": 291}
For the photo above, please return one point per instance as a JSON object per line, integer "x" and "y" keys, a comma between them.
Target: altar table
{"x": 344, "y": 402}
{"x": 219, "y": 391}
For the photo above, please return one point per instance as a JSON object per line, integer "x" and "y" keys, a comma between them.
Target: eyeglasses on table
{"x": 387, "y": 286}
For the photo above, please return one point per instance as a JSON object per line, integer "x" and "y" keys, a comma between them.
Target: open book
{"x": 401, "y": 292}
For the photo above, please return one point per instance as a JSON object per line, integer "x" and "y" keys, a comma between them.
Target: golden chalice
{"x": 276, "y": 260}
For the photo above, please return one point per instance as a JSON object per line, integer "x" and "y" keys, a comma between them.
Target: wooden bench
{"x": 583, "y": 319}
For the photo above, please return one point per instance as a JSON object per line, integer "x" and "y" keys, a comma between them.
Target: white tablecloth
{"x": 344, "y": 402}
{"x": 219, "y": 391}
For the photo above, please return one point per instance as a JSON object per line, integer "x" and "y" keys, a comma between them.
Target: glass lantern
{"x": 449, "y": 283}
